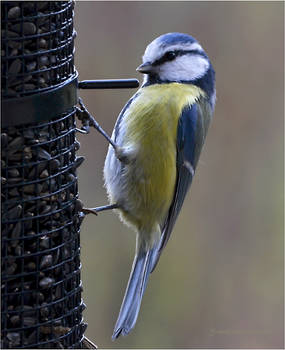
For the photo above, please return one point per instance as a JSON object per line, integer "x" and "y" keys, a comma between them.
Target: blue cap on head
{"x": 176, "y": 38}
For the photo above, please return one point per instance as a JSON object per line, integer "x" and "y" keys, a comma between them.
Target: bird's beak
{"x": 145, "y": 68}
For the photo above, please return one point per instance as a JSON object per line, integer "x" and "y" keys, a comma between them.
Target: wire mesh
{"x": 41, "y": 214}
{"x": 41, "y": 288}
{"x": 37, "y": 45}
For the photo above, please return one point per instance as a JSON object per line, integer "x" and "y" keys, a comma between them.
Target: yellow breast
{"x": 150, "y": 130}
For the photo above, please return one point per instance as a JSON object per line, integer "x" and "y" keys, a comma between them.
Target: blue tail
{"x": 142, "y": 266}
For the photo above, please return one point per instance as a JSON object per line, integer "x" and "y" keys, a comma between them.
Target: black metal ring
{"x": 40, "y": 107}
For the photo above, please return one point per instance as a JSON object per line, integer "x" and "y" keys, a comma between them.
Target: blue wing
{"x": 191, "y": 132}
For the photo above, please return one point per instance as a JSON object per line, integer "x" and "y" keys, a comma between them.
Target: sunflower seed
{"x": 45, "y": 242}
{"x": 13, "y": 213}
{"x": 44, "y": 174}
{"x": 43, "y": 61}
{"x": 14, "y": 338}
{"x": 43, "y": 154}
{"x": 16, "y": 234}
{"x": 14, "y": 12}
{"x": 54, "y": 165}
{"x": 15, "y": 144}
{"x": 28, "y": 134}
{"x": 31, "y": 66}
{"x": 32, "y": 188}
{"x": 46, "y": 261}
{"x": 43, "y": 43}
{"x": 14, "y": 180}
{"x": 27, "y": 153}
{"x": 27, "y": 28}
{"x": 15, "y": 320}
{"x": 14, "y": 44}
{"x": 3, "y": 180}
{"x": 29, "y": 321}
{"x": 14, "y": 172}
{"x": 11, "y": 269}
{"x": 44, "y": 311}
{"x": 18, "y": 250}
{"x": 15, "y": 67}
{"x": 9, "y": 34}
{"x": 31, "y": 266}
{"x": 46, "y": 282}
{"x": 4, "y": 139}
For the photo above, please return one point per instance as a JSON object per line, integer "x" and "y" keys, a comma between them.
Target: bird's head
{"x": 176, "y": 57}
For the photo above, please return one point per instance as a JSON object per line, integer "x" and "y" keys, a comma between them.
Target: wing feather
{"x": 192, "y": 127}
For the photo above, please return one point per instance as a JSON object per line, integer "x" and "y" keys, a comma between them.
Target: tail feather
{"x": 141, "y": 269}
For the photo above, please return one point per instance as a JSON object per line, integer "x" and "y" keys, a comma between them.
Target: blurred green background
{"x": 219, "y": 282}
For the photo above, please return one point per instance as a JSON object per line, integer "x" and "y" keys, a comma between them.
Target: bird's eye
{"x": 170, "y": 55}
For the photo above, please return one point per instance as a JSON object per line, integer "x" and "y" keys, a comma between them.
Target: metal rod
{"x": 98, "y": 209}
{"x": 109, "y": 84}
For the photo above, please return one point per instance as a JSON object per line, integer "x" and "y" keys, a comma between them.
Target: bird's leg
{"x": 88, "y": 120}
{"x": 95, "y": 211}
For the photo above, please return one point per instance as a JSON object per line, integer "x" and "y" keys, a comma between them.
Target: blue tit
{"x": 156, "y": 144}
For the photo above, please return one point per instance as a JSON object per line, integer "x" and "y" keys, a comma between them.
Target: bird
{"x": 154, "y": 151}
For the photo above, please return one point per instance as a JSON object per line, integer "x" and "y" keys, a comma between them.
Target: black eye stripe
{"x": 167, "y": 57}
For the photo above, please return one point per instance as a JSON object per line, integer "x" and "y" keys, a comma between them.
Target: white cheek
{"x": 184, "y": 68}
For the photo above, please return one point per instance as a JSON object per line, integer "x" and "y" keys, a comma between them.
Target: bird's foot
{"x": 88, "y": 120}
